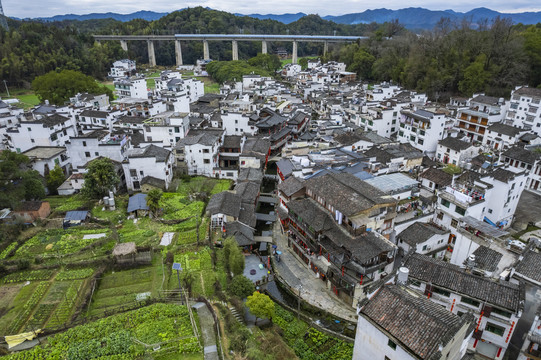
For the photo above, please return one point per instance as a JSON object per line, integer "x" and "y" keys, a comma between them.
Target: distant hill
{"x": 411, "y": 18}
{"x": 283, "y": 18}
{"x": 420, "y": 18}
{"x": 145, "y": 15}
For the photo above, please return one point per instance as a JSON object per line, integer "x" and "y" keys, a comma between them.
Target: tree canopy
{"x": 260, "y": 305}
{"x": 55, "y": 178}
{"x": 153, "y": 201}
{"x": 100, "y": 178}
{"x": 241, "y": 286}
{"x": 59, "y": 86}
{"x": 17, "y": 181}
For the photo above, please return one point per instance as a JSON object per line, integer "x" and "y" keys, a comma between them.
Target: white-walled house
{"x": 525, "y": 109}
{"x": 237, "y": 123}
{"x": 423, "y": 128}
{"x": 44, "y": 158}
{"x": 496, "y": 306}
{"x": 52, "y": 130}
{"x": 167, "y": 128}
{"x": 122, "y": 68}
{"x": 424, "y": 238}
{"x": 99, "y": 143}
{"x": 134, "y": 87}
{"x": 151, "y": 164}
{"x": 399, "y": 324}
{"x": 500, "y": 136}
{"x": 455, "y": 151}
{"x": 198, "y": 151}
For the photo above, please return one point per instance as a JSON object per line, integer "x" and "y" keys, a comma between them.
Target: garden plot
{"x": 157, "y": 330}
{"x": 58, "y": 242}
{"x": 121, "y": 288}
{"x": 198, "y": 265}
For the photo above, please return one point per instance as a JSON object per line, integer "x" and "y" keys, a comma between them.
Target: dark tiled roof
{"x": 250, "y": 174}
{"x": 152, "y": 181}
{"x": 247, "y": 214}
{"x": 248, "y": 191}
{"x": 256, "y": 144}
{"x": 224, "y": 203}
{"x": 455, "y": 144}
{"x": 242, "y": 233}
{"x": 202, "y": 137}
{"x": 285, "y": 166}
{"x": 94, "y": 113}
{"x": 126, "y": 119}
{"x": 504, "y": 129}
{"x": 291, "y": 185}
{"x": 451, "y": 277}
{"x": 347, "y": 193}
{"x": 348, "y": 138}
{"x": 530, "y": 266}
{"x": 232, "y": 141}
{"x": 519, "y": 153}
{"x": 154, "y": 151}
{"x": 307, "y": 210}
{"x": 416, "y": 322}
{"x": 29, "y": 206}
{"x": 53, "y": 120}
{"x": 437, "y": 176}
{"x": 503, "y": 175}
{"x": 420, "y": 232}
{"x": 486, "y": 258}
{"x": 483, "y": 99}
{"x": 528, "y": 91}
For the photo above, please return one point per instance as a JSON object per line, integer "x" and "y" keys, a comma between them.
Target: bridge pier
{"x": 206, "y": 55}
{"x": 263, "y": 47}
{"x": 294, "y": 53}
{"x": 178, "y": 52}
{"x": 151, "y": 54}
{"x": 325, "y": 47}
{"x": 124, "y": 45}
{"x": 235, "y": 49}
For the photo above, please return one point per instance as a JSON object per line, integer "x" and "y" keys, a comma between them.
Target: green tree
{"x": 241, "y": 286}
{"x": 229, "y": 243}
{"x": 475, "y": 77}
{"x": 268, "y": 62}
{"x": 236, "y": 260}
{"x": 58, "y": 87}
{"x": 153, "y": 201}
{"x": 303, "y": 62}
{"x": 100, "y": 178}
{"x": 33, "y": 186}
{"x": 55, "y": 178}
{"x": 261, "y": 306}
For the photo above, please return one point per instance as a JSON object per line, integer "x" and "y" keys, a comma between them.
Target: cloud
{"x": 30, "y": 8}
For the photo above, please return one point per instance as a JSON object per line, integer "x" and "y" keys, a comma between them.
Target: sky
{"x": 45, "y": 8}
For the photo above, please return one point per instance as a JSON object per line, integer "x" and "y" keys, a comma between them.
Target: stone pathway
{"x": 313, "y": 290}
{"x": 207, "y": 329}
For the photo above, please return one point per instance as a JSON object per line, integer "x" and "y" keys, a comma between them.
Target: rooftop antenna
{"x": 3, "y": 21}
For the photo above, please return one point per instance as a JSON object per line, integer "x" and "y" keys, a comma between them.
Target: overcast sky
{"x": 45, "y": 8}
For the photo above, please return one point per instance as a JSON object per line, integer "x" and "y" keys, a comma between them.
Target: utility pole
{"x": 5, "y": 82}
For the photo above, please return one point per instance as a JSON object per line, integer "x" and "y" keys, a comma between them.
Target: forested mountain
{"x": 452, "y": 58}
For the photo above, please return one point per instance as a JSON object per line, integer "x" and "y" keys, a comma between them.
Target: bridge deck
{"x": 231, "y": 37}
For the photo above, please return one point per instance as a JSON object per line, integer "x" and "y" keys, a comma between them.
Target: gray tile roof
{"x": 94, "y": 113}
{"x": 291, "y": 185}
{"x": 437, "y": 176}
{"x": 528, "y": 91}
{"x": 202, "y": 137}
{"x": 530, "y": 266}
{"x": 250, "y": 174}
{"x": 248, "y": 191}
{"x": 347, "y": 193}
{"x": 483, "y": 99}
{"x": 420, "y": 325}
{"x": 505, "y": 129}
{"x": 224, "y": 203}
{"x": 455, "y": 144}
{"x": 519, "y": 153}
{"x": 451, "y": 277}
{"x": 242, "y": 233}
{"x": 419, "y": 232}
{"x": 486, "y": 258}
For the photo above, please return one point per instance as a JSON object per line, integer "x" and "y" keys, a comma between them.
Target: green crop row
{"x": 38, "y": 293}
{"x": 31, "y": 275}
{"x": 74, "y": 274}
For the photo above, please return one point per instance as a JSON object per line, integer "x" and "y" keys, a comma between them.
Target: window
{"x": 84, "y": 143}
{"x": 206, "y": 161}
{"x": 424, "y": 248}
{"x": 206, "y": 151}
{"x": 440, "y": 216}
{"x": 230, "y": 174}
{"x": 445, "y": 203}
{"x": 490, "y": 211}
{"x": 441, "y": 291}
{"x": 470, "y": 301}
{"x": 460, "y": 210}
{"x": 454, "y": 223}
{"x": 32, "y": 141}
{"x": 503, "y": 313}
{"x": 97, "y": 153}
{"x": 415, "y": 283}
{"x": 133, "y": 172}
{"x": 495, "y": 329}
{"x": 142, "y": 173}
{"x": 29, "y": 129}
{"x": 391, "y": 344}
{"x": 177, "y": 129}
{"x": 54, "y": 137}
